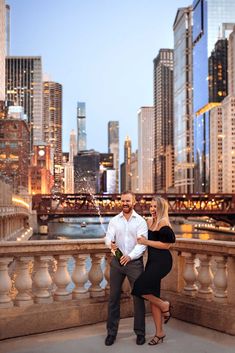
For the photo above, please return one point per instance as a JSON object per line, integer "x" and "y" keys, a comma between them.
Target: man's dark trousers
{"x": 117, "y": 275}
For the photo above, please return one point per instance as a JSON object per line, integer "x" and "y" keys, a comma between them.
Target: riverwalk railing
{"x": 48, "y": 285}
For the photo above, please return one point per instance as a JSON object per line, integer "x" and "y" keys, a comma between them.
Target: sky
{"x": 101, "y": 51}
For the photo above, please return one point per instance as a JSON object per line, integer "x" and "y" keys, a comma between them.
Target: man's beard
{"x": 127, "y": 209}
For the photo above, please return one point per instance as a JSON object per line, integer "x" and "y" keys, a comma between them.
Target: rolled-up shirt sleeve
{"x": 142, "y": 230}
{"x": 110, "y": 234}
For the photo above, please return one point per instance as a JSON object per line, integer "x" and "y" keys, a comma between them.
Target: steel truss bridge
{"x": 49, "y": 206}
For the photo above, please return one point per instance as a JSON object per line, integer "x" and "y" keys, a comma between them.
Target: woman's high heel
{"x": 167, "y": 317}
{"x": 155, "y": 340}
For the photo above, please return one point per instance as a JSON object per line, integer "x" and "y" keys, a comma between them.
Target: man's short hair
{"x": 128, "y": 192}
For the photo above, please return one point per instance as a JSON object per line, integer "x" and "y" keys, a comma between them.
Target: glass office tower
{"x": 208, "y": 19}
{"x": 81, "y": 126}
{"x": 183, "y": 102}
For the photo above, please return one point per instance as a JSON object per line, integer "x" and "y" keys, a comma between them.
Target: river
{"x": 95, "y": 228}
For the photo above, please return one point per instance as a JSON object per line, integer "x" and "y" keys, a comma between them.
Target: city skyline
{"x": 108, "y": 50}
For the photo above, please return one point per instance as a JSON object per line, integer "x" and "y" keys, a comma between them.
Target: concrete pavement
{"x": 181, "y": 338}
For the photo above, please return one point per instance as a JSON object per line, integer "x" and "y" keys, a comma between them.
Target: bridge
{"x": 218, "y": 206}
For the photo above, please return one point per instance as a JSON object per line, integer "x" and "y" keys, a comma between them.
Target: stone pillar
{"x": 62, "y": 279}
{"x": 126, "y": 288}
{"x": 42, "y": 280}
{"x": 189, "y": 274}
{"x": 96, "y": 276}
{"x": 23, "y": 282}
{"x": 5, "y": 283}
{"x": 231, "y": 282}
{"x": 205, "y": 277}
{"x": 220, "y": 279}
{"x": 80, "y": 277}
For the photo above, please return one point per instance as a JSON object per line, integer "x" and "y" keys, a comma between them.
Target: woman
{"x": 159, "y": 264}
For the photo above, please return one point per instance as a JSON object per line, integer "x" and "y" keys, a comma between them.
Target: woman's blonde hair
{"x": 162, "y": 208}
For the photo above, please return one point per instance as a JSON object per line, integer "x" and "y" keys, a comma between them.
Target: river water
{"x": 95, "y": 228}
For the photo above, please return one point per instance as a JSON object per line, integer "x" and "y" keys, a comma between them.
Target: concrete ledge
{"x": 207, "y": 313}
{"x": 39, "y": 318}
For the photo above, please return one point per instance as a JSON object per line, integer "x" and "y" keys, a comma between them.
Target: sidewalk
{"x": 181, "y": 338}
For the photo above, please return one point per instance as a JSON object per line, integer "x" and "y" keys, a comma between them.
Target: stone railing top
{"x": 215, "y": 247}
{"x": 49, "y": 247}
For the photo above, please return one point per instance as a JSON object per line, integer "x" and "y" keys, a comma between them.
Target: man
{"x": 122, "y": 233}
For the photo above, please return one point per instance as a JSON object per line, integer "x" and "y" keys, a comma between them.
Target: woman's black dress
{"x": 158, "y": 265}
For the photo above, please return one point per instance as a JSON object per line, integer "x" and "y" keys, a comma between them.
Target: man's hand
{"x": 113, "y": 246}
{"x": 124, "y": 260}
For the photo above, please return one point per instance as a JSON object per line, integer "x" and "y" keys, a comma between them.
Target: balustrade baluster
{"x": 204, "y": 277}
{"x": 5, "y": 283}
{"x": 126, "y": 288}
{"x": 42, "y": 280}
{"x": 80, "y": 277}
{"x": 108, "y": 258}
{"x": 220, "y": 279}
{"x": 190, "y": 274}
{"x": 23, "y": 281}
{"x": 62, "y": 278}
{"x": 96, "y": 276}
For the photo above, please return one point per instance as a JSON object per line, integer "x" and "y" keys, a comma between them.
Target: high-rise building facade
{"x": 72, "y": 146}
{"x": 216, "y": 150}
{"x": 87, "y": 172}
{"x": 2, "y": 48}
{"x": 183, "y": 109}
{"x": 126, "y": 184}
{"x": 52, "y": 126}
{"x": 134, "y": 172}
{"x": 209, "y": 17}
{"x": 163, "y": 121}
{"x": 15, "y": 152}
{"x": 145, "y": 149}
{"x": 24, "y": 88}
{"x": 113, "y": 147}
{"x": 8, "y": 30}
{"x": 40, "y": 176}
{"x": 81, "y": 126}
{"x": 218, "y": 71}
{"x": 228, "y": 123}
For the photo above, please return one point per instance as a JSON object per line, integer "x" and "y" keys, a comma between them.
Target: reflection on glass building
{"x": 183, "y": 109}
{"x": 211, "y": 19}
{"x": 81, "y": 126}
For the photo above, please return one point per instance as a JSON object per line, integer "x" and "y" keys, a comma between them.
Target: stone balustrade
{"x": 201, "y": 286}
{"x": 50, "y": 285}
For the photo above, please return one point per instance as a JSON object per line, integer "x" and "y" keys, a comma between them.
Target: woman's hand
{"x": 142, "y": 240}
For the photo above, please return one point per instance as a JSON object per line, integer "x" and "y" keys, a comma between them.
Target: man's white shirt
{"x": 125, "y": 234}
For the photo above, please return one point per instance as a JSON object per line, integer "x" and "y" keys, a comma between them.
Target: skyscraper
{"x": 209, "y": 17}
{"x": 228, "y": 123}
{"x": 8, "y": 30}
{"x": 145, "y": 149}
{"x": 24, "y": 88}
{"x": 72, "y": 146}
{"x": 127, "y": 163}
{"x": 87, "y": 172}
{"x": 2, "y": 48}
{"x": 163, "y": 121}
{"x": 113, "y": 147}
{"x": 81, "y": 126}
{"x": 52, "y": 126}
{"x": 183, "y": 108}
